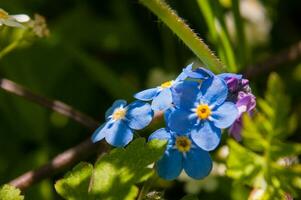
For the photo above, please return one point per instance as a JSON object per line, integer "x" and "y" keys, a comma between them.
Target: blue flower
{"x": 161, "y": 96}
{"x": 203, "y": 110}
{"x": 121, "y": 120}
{"x": 198, "y": 73}
{"x": 181, "y": 153}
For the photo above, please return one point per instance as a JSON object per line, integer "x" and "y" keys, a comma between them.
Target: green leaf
{"x": 242, "y": 163}
{"x": 75, "y": 184}
{"x": 190, "y": 197}
{"x": 252, "y": 136}
{"x": 279, "y": 104}
{"x": 8, "y": 192}
{"x": 116, "y": 173}
{"x": 280, "y": 149}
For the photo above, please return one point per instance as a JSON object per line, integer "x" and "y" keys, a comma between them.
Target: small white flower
{"x": 12, "y": 20}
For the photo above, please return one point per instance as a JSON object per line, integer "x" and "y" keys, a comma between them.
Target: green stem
{"x": 228, "y": 50}
{"x": 186, "y": 34}
{"x": 147, "y": 186}
{"x": 9, "y": 48}
{"x": 240, "y": 32}
{"x": 220, "y": 37}
{"x": 206, "y": 10}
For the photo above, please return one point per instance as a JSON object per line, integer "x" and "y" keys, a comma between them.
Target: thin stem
{"x": 64, "y": 160}
{"x": 206, "y": 10}
{"x": 55, "y": 105}
{"x": 218, "y": 32}
{"x": 147, "y": 186}
{"x": 11, "y": 46}
{"x": 240, "y": 32}
{"x": 186, "y": 34}
{"x": 58, "y": 163}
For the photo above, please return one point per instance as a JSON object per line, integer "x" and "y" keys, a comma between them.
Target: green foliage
{"x": 266, "y": 161}
{"x": 8, "y": 192}
{"x": 190, "y": 197}
{"x": 115, "y": 174}
{"x": 75, "y": 184}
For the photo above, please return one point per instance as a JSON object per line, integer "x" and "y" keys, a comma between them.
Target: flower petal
{"x": 184, "y": 94}
{"x": 139, "y": 114}
{"x": 118, "y": 134}
{"x": 160, "y": 134}
{"x": 11, "y": 22}
{"x": 225, "y": 115}
{"x": 99, "y": 133}
{"x": 170, "y": 165}
{"x": 207, "y": 136}
{"x": 21, "y": 18}
{"x": 167, "y": 113}
{"x": 147, "y": 95}
{"x": 200, "y": 73}
{"x": 116, "y": 104}
{"x": 163, "y": 101}
{"x": 229, "y": 75}
{"x": 214, "y": 91}
{"x": 180, "y": 121}
{"x": 197, "y": 163}
{"x": 183, "y": 74}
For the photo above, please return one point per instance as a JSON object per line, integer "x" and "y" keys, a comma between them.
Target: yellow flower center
{"x": 167, "y": 84}
{"x": 183, "y": 144}
{"x": 119, "y": 113}
{"x": 203, "y": 111}
{"x": 3, "y": 14}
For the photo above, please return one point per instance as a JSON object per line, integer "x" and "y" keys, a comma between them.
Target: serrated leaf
{"x": 242, "y": 163}
{"x": 190, "y": 197}
{"x": 8, "y": 192}
{"x": 252, "y": 135}
{"x": 75, "y": 184}
{"x": 280, "y": 105}
{"x": 280, "y": 149}
{"x": 116, "y": 173}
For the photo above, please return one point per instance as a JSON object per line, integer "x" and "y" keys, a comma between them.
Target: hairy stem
{"x": 184, "y": 32}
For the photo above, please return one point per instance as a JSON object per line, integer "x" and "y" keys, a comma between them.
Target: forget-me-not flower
{"x": 203, "y": 110}
{"x": 121, "y": 120}
{"x": 161, "y": 96}
{"x": 181, "y": 153}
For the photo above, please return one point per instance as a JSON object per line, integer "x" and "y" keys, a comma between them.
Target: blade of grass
{"x": 239, "y": 25}
{"x": 186, "y": 34}
{"x": 219, "y": 35}
{"x": 209, "y": 19}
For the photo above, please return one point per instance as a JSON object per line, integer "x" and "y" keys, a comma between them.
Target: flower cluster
{"x": 197, "y": 105}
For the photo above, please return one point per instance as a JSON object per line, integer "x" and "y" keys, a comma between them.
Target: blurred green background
{"x": 98, "y": 51}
